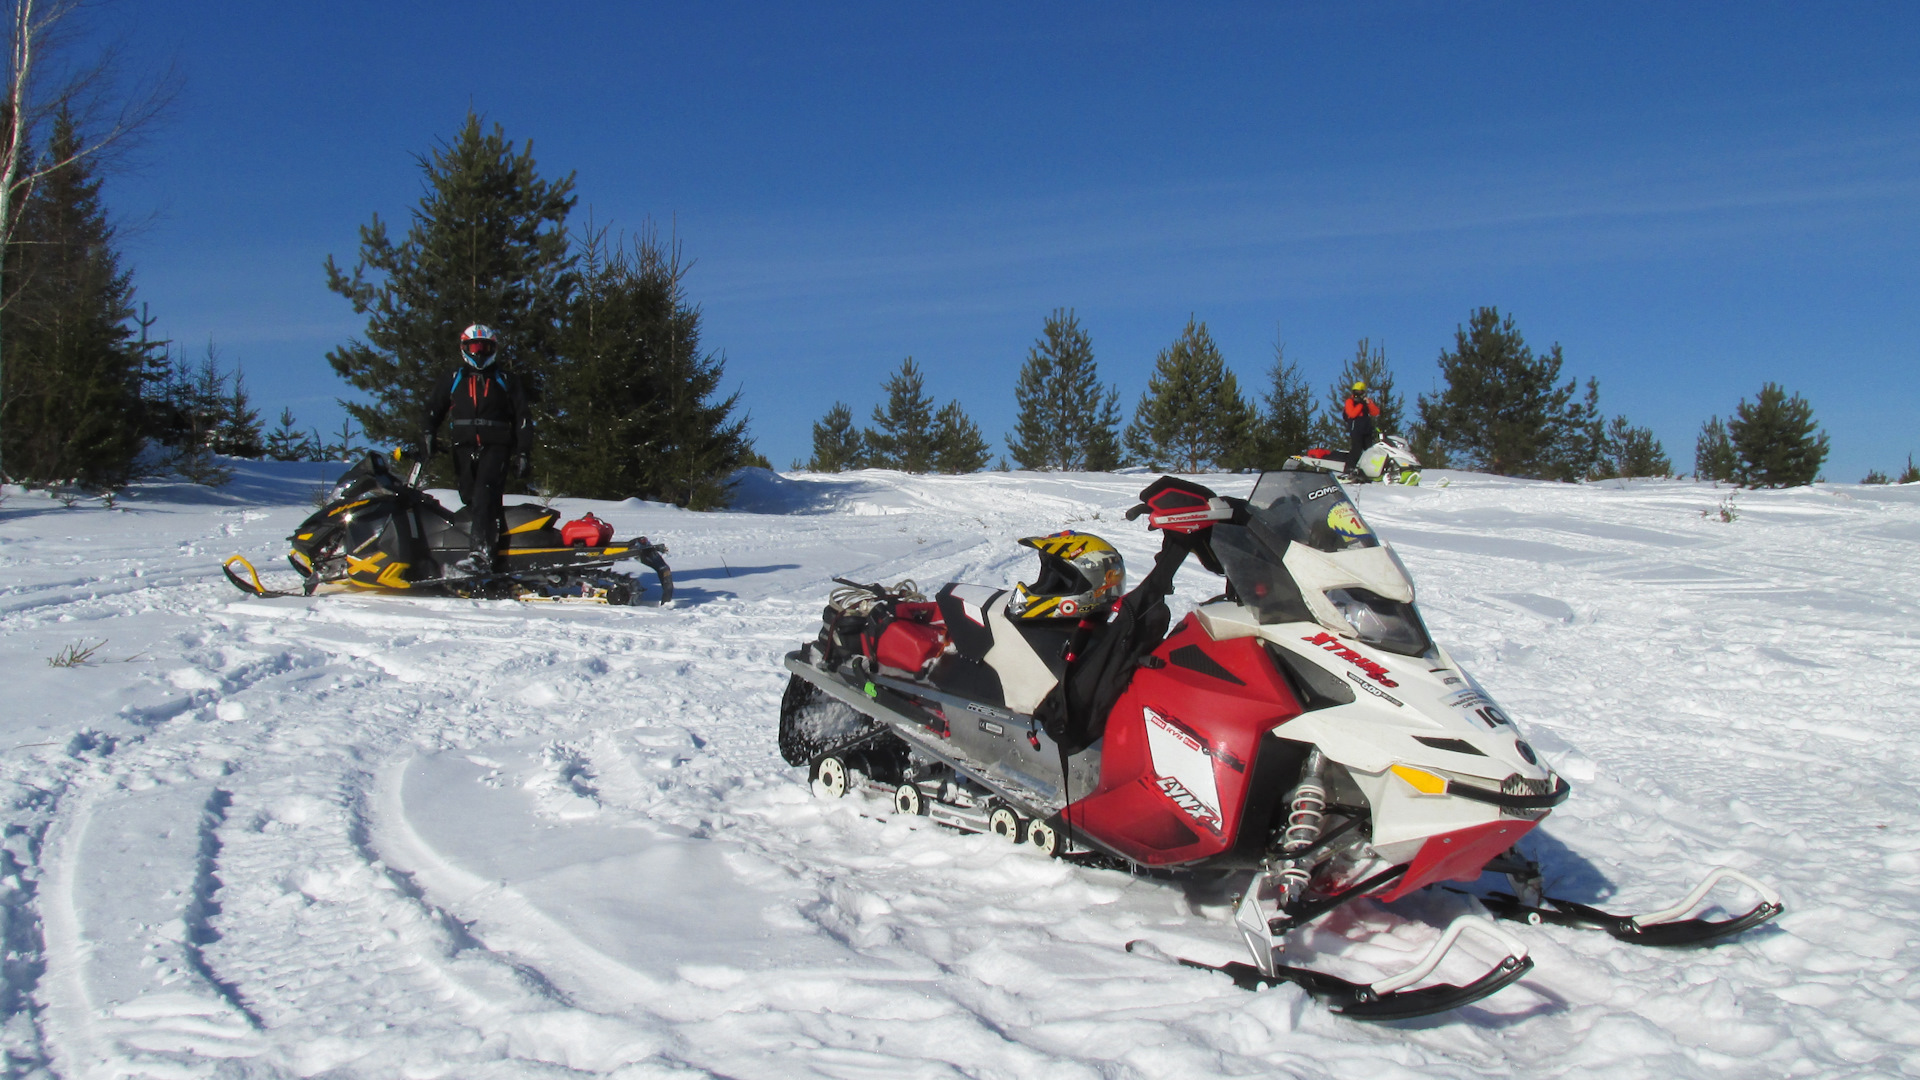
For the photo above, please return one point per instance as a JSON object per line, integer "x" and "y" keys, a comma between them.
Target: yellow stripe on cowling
{"x": 390, "y": 577}
{"x": 533, "y": 526}
{"x": 1421, "y": 780}
{"x": 349, "y": 506}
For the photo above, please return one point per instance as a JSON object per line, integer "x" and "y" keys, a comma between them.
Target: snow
{"x": 358, "y": 835}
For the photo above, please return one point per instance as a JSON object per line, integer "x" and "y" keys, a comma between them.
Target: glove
{"x": 432, "y": 443}
{"x": 523, "y": 466}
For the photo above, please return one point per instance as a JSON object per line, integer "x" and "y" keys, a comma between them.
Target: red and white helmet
{"x": 479, "y": 346}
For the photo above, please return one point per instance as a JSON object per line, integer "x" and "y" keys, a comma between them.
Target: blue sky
{"x": 1690, "y": 199}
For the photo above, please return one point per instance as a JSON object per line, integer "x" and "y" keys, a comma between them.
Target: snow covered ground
{"x": 360, "y": 835}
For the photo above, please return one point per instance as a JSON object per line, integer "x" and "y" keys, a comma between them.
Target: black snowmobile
{"x": 378, "y": 531}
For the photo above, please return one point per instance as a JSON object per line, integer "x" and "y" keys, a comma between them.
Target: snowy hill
{"x": 360, "y": 835}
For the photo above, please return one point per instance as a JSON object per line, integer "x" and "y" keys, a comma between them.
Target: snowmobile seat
{"x": 530, "y": 526}
{"x": 970, "y": 679}
{"x": 1049, "y": 641}
{"x": 964, "y": 610}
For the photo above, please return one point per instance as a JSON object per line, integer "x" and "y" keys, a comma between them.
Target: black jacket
{"x": 487, "y": 408}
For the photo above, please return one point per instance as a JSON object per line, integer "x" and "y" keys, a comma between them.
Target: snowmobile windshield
{"x": 1306, "y": 555}
{"x": 369, "y": 476}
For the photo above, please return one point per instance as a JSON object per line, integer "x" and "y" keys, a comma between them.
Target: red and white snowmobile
{"x": 1389, "y": 461}
{"x": 1302, "y": 728}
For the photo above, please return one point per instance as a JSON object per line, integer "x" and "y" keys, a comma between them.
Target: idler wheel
{"x": 908, "y": 800}
{"x": 1007, "y": 825}
{"x": 1043, "y": 836}
{"x": 830, "y": 776}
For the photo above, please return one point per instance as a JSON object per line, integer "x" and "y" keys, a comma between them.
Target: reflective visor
{"x": 478, "y": 347}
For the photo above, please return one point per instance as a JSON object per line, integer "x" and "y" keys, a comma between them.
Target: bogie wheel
{"x": 831, "y": 776}
{"x": 907, "y": 800}
{"x": 1042, "y": 836}
{"x": 1007, "y": 825}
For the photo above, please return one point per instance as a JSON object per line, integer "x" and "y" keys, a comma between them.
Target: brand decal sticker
{"x": 1189, "y": 805}
{"x": 992, "y": 728}
{"x": 1372, "y": 689}
{"x": 1477, "y": 703}
{"x": 1466, "y": 699}
{"x": 1328, "y": 490}
{"x": 1345, "y": 520}
{"x": 1191, "y": 739}
{"x": 1374, "y": 671}
{"x": 1183, "y": 768}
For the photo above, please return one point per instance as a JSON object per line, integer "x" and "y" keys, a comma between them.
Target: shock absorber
{"x": 1306, "y": 805}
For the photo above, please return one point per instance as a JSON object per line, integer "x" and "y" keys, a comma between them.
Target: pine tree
{"x": 239, "y": 432}
{"x": 1066, "y": 419}
{"x": 632, "y": 407}
{"x": 957, "y": 444}
{"x": 1875, "y": 476}
{"x": 286, "y": 442}
{"x": 73, "y": 377}
{"x": 1103, "y": 435}
{"x": 1713, "y": 453}
{"x": 1629, "y": 451}
{"x": 837, "y": 444}
{"x": 1503, "y": 409}
{"x": 1583, "y": 450}
{"x": 904, "y": 438}
{"x": 1286, "y": 423}
{"x": 488, "y": 244}
{"x": 1191, "y": 416}
{"x": 1910, "y": 475}
{"x": 345, "y": 448}
{"x": 1775, "y": 441}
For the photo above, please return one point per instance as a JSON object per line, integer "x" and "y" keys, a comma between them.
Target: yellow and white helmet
{"x": 1080, "y": 575}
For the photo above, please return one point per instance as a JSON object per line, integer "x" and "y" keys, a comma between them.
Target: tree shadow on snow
{"x": 684, "y": 597}
{"x": 711, "y": 572}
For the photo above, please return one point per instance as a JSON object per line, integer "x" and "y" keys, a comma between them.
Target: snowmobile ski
{"x": 251, "y": 583}
{"x": 1384, "y": 999}
{"x": 1660, "y": 928}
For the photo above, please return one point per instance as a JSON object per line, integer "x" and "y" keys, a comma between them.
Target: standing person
{"x": 1361, "y": 411}
{"x": 490, "y": 429}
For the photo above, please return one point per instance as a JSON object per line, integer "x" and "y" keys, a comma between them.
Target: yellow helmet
{"x": 1080, "y": 575}
{"x": 1360, "y": 386}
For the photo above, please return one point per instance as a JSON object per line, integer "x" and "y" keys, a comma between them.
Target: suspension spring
{"x": 1306, "y": 806}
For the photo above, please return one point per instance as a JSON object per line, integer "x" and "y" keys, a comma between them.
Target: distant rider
{"x": 491, "y": 428}
{"x": 1361, "y": 411}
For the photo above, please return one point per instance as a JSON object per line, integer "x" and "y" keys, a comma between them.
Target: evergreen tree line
{"x": 1498, "y": 406}
{"x": 1501, "y": 408}
{"x": 601, "y": 330}
{"x": 86, "y": 386}
{"x": 79, "y": 390}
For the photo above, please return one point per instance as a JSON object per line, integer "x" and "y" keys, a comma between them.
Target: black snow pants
{"x": 482, "y": 473}
{"x": 1360, "y": 437}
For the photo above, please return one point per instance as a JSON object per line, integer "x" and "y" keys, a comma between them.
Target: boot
{"x": 478, "y": 563}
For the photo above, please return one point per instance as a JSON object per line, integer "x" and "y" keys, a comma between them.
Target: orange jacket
{"x": 1355, "y": 408}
